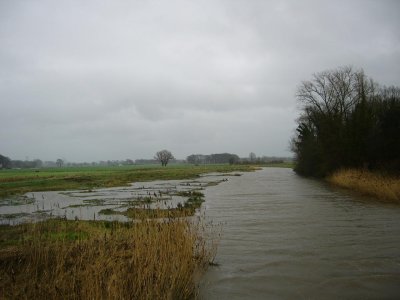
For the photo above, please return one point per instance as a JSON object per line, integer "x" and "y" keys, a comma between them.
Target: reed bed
{"x": 383, "y": 187}
{"x": 147, "y": 259}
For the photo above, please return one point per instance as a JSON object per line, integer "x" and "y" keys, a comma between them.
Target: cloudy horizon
{"x": 111, "y": 80}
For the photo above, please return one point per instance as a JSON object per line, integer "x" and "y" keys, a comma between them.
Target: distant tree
{"x": 218, "y": 158}
{"x": 164, "y": 156}
{"x": 38, "y": 163}
{"x": 129, "y": 161}
{"x": 252, "y": 157}
{"x": 196, "y": 159}
{"x": 59, "y": 162}
{"x": 191, "y": 159}
{"x": 5, "y": 162}
{"x": 223, "y": 158}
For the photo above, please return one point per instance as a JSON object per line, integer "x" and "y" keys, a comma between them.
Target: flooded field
{"x": 103, "y": 204}
{"x": 283, "y": 236}
{"x": 286, "y": 237}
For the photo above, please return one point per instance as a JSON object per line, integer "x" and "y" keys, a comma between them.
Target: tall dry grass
{"x": 78, "y": 260}
{"x": 383, "y": 187}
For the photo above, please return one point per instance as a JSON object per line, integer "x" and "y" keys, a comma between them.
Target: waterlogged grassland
{"x": 158, "y": 256}
{"x": 56, "y": 179}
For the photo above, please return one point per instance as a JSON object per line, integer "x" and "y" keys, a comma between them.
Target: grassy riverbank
{"x": 383, "y": 187}
{"x": 51, "y": 179}
{"x": 61, "y": 259}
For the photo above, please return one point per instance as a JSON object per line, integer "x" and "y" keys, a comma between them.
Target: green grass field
{"x": 49, "y": 179}
{"x": 286, "y": 164}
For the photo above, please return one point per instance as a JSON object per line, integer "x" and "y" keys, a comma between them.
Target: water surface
{"x": 286, "y": 237}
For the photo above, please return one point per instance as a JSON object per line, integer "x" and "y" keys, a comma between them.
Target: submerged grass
{"x": 60, "y": 259}
{"x": 383, "y": 187}
{"x": 187, "y": 209}
{"x": 51, "y": 179}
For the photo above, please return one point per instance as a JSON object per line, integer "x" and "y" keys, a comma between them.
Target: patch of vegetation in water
{"x": 148, "y": 213}
{"x": 43, "y": 211}
{"x": 194, "y": 193}
{"x": 87, "y": 191}
{"x": 188, "y": 208}
{"x": 16, "y": 200}
{"x": 229, "y": 174}
{"x": 13, "y": 216}
{"x": 213, "y": 183}
{"x": 109, "y": 211}
{"x": 192, "y": 203}
{"x": 94, "y": 202}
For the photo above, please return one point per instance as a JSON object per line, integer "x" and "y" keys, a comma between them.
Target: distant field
{"x": 46, "y": 179}
{"x": 279, "y": 165}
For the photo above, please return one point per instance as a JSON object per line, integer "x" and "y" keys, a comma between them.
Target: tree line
{"x": 7, "y": 163}
{"x": 219, "y": 158}
{"x": 346, "y": 120}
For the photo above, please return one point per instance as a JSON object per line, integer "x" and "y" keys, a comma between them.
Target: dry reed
{"x": 383, "y": 187}
{"x": 150, "y": 259}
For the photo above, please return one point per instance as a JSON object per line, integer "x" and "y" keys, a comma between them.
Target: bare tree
{"x": 163, "y": 156}
{"x": 5, "y": 162}
{"x": 59, "y": 162}
{"x": 335, "y": 92}
{"x": 252, "y": 157}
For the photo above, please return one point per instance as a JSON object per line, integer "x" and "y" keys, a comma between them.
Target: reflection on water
{"x": 286, "y": 237}
{"x": 88, "y": 204}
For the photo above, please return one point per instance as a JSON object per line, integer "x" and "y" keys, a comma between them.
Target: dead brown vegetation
{"x": 59, "y": 259}
{"x": 383, "y": 187}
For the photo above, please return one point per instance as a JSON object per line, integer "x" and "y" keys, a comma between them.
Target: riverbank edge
{"x": 384, "y": 188}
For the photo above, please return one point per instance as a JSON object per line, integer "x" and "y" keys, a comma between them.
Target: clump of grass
{"x": 60, "y": 259}
{"x": 383, "y": 187}
{"x": 187, "y": 209}
{"x": 171, "y": 213}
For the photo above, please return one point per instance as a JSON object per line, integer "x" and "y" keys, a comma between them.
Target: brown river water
{"x": 287, "y": 237}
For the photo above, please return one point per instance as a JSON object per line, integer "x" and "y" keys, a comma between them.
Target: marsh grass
{"x": 59, "y": 259}
{"x": 383, "y": 187}
{"x": 136, "y": 213}
{"x": 187, "y": 209}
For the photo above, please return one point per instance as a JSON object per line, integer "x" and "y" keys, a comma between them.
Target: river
{"x": 288, "y": 237}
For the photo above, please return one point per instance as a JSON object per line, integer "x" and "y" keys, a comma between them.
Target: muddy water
{"x": 286, "y": 237}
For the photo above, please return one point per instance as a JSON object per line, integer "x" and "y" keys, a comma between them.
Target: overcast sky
{"x": 98, "y": 80}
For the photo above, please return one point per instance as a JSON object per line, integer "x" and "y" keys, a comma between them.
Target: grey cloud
{"x": 110, "y": 80}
